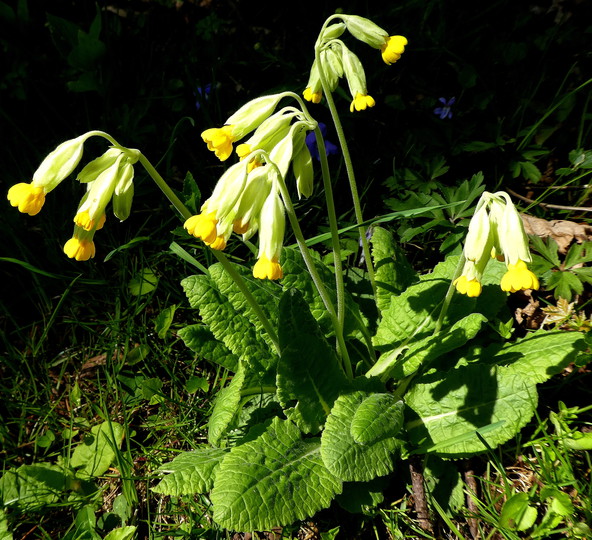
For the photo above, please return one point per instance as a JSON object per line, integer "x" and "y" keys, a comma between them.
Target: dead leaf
{"x": 563, "y": 232}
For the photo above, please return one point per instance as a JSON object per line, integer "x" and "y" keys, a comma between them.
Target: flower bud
{"x": 365, "y": 30}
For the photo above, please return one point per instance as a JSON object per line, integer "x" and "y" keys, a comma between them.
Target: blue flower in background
{"x": 445, "y": 111}
{"x": 311, "y": 142}
{"x": 202, "y": 93}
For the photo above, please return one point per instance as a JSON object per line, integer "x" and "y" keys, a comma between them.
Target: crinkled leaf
{"x": 346, "y": 458}
{"x": 190, "y": 472}
{"x": 271, "y": 481}
{"x": 496, "y": 395}
{"x": 228, "y": 325}
{"x": 32, "y": 487}
{"x": 267, "y": 294}
{"x": 226, "y": 406}
{"x": 201, "y": 341}
{"x": 296, "y": 276}
{"x": 94, "y": 455}
{"x": 378, "y": 417}
{"x": 393, "y": 273}
{"x": 412, "y": 315}
{"x": 309, "y": 377}
{"x": 406, "y": 359}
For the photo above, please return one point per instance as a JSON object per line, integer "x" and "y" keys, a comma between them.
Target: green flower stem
{"x": 331, "y": 214}
{"x": 449, "y": 294}
{"x": 349, "y": 169}
{"x": 308, "y": 260}
{"x": 222, "y": 259}
{"x": 333, "y": 227}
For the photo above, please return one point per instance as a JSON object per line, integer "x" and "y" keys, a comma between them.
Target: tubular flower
{"x": 107, "y": 178}
{"x": 361, "y": 102}
{"x": 219, "y": 141}
{"x": 242, "y": 122}
{"x": 314, "y": 96}
{"x": 393, "y": 48}
{"x": 496, "y": 231}
{"x": 271, "y": 238}
{"x": 58, "y": 165}
{"x": 470, "y": 287}
{"x": 81, "y": 246}
{"x": 203, "y": 226}
{"x": 27, "y": 198}
{"x": 518, "y": 277}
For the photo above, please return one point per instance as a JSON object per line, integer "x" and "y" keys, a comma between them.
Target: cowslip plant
{"x": 326, "y": 395}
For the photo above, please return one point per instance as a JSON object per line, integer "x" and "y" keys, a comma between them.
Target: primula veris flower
{"x": 314, "y": 90}
{"x": 242, "y": 122}
{"x": 58, "y": 165}
{"x": 271, "y": 237}
{"x": 303, "y": 171}
{"x": 445, "y": 111}
{"x": 365, "y": 30}
{"x": 246, "y": 219}
{"x": 392, "y": 49}
{"x": 496, "y": 230}
{"x": 28, "y": 198}
{"x": 81, "y": 246}
{"x": 519, "y": 277}
{"x": 356, "y": 80}
{"x": 108, "y": 178}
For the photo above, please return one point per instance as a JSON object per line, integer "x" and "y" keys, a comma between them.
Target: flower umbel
{"x": 496, "y": 230}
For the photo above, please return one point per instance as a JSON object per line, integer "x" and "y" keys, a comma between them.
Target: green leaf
{"x": 228, "y": 325}
{"x": 309, "y": 377}
{"x": 122, "y": 533}
{"x": 33, "y": 487}
{"x": 164, "y": 320}
{"x": 378, "y": 417}
{"x": 393, "y": 272}
{"x": 564, "y": 284}
{"x": 226, "y": 406}
{"x": 201, "y": 341}
{"x": 517, "y": 513}
{"x": 267, "y": 294}
{"x": 143, "y": 282}
{"x": 407, "y": 359}
{"x": 94, "y": 455}
{"x": 496, "y": 394}
{"x": 190, "y": 472}
{"x": 297, "y": 276}
{"x": 5, "y": 534}
{"x": 358, "y": 495}
{"x": 346, "y": 458}
{"x": 271, "y": 481}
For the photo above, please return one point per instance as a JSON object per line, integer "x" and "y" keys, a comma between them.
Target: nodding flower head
{"x": 56, "y": 167}
{"x": 496, "y": 230}
{"x": 246, "y": 119}
{"x": 272, "y": 225}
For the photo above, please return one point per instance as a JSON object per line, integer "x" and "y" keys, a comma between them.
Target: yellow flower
{"x": 203, "y": 226}
{"x": 470, "y": 287}
{"x": 310, "y": 95}
{"x": 267, "y": 269}
{"x": 219, "y": 141}
{"x": 519, "y": 277}
{"x": 393, "y": 48}
{"x": 81, "y": 246}
{"x": 28, "y": 198}
{"x": 361, "y": 102}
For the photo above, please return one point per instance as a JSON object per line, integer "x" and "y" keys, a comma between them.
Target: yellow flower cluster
{"x": 496, "y": 230}
{"x": 246, "y": 199}
{"x": 107, "y": 178}
{"x": 335, "y": 60}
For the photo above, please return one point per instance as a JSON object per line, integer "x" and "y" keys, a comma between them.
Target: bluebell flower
{"x": 311, "y": 142}
{"x": 445, "y": 111}
{"x": 202, "y": 93}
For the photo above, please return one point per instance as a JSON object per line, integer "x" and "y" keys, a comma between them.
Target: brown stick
{"x": 469, "y": 476}
{"x": 421, "y": 505}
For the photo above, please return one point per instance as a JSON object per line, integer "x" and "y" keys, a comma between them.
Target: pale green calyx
{"x": 250, "y": 115}
{"x": 354, "y": 73}
{"x": 332, "y": 31}
{"x": 365, "y": 30}
{"x": 60, "y": 163}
